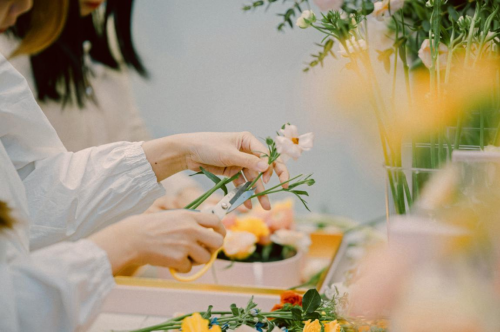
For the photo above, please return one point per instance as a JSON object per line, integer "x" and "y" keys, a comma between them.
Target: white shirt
{"x": 115, "y": 118}
{"x": 58, "y": 288}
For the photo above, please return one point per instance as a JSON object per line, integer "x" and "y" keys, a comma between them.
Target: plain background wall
{"x": 217, "y": 68}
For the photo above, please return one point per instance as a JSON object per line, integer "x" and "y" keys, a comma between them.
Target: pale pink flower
{"x": 281, "y": 216}
{"x": 239, "y": 245}
{"x": 291, "y": 145}
{"x": 426, "y": 56}
{"x": 326, "y": 5}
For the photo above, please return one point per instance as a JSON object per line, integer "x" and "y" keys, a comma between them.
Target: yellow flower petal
{"x": 312, "y": 327}
{"x": 332, "y": 327}
{"x": 194, "y": 323}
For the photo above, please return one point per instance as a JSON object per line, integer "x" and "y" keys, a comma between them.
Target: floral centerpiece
{"x": 442, "y": 89}
{"x": 263, "y": 236}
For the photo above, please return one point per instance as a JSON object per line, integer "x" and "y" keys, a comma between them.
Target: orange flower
{"x": 312, "y": 327}
{"x": 291, "y": 297}
{"x": 364, "y": 328}
{"x": 332, "y": 326}
{"x": 277, "y": 307}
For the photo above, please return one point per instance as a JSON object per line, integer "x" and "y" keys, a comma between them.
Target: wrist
{"x": 166, "y": 155}
{"x": 118, "y": 243}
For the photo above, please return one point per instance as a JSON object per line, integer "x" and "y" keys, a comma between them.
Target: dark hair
{"x": 60, "y": 72}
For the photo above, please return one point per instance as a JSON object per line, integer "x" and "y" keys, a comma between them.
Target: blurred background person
{"x": 82, "y": 82}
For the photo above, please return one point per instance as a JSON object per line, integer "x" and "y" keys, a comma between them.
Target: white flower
{"x": 306, "y": 19}
{"x": 286, "y": 237}
{"x": 386, "y": 8}
{"x": 353, "y": 46}
{"x": 239, "y": 245}
{"x": 291, "y": 145}
{"x": 326, "y": 5}
{"x": 330, "y": 292}
{"x": 425, "y": 54}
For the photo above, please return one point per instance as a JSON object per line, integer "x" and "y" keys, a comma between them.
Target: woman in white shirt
{"x": 60, "y": 287}
{"x": 84, "y": 87}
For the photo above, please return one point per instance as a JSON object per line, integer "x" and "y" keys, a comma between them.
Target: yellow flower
{"x": 253, "y": 225}
{"x": 196, "y": 323}
{"x": 239, "y": 245}
{"x": 312, "y": 327}
{"x": 332, "y": 326}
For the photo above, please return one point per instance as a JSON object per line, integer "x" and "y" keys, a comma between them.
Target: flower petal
{"x": 306, "y": 141}
{"x": 287, "y": 149}
{"x": 291, "y": 131}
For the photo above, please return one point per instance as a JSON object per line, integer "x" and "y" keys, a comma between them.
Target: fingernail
{"x": 262, "y": 166}
{"x": 266, "y": 179}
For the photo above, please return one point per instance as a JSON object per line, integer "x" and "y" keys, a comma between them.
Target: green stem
{"x": 471, "y": 34}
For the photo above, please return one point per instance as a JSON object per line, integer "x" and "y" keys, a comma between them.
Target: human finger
{"x": 259, "y": 187}
{"x": 182, "y": 265}
{"x": 282, "y": 172}
{"x": 211, "y": 240}
{"x": 199, "y": 255}
{"x": 209, "y": 220}
{"x": 267, "y": 174}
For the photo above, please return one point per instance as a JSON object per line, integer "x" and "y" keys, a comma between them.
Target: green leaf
{"x": 234, "y": 309}
{"x": 208, "y": 313}
{"x": 296, "y": 313}
{"x": 214, "y": 179}
{"x": 312, "y": 316}
{"x": 311, "y": 301}
{"x": 300, "y": 192}
{"x": 328, "y": 45}
{"x": 367, "y": 8}
{"x": 453, "y": 13}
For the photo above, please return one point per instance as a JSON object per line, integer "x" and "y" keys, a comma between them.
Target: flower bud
{"x": 306, "y": 19}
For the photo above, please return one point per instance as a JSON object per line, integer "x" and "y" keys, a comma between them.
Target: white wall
{"x": 216, "y": 68}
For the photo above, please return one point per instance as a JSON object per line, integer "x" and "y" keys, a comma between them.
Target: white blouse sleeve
{"x": 70, "y": 195}
{"x": 85, "y": 191}
{"x": 59, "y": 288}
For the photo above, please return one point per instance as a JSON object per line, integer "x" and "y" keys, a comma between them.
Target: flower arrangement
{"x": 295, "y": 313}
{"x": 263, "y": 236}
{"x": 442, "y": 61}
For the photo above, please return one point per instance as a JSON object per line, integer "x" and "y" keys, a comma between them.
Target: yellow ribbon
{"x": 198, "y": 274}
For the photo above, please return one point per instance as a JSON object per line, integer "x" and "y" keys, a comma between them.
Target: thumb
{"x": 249, "y": 161}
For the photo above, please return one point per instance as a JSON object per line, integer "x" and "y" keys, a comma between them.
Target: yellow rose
{"x": 253, "y": 225}
{"x": 332, "y": 326}
{"x": 312, "y": 327}
{"x": 196, "y": 323}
